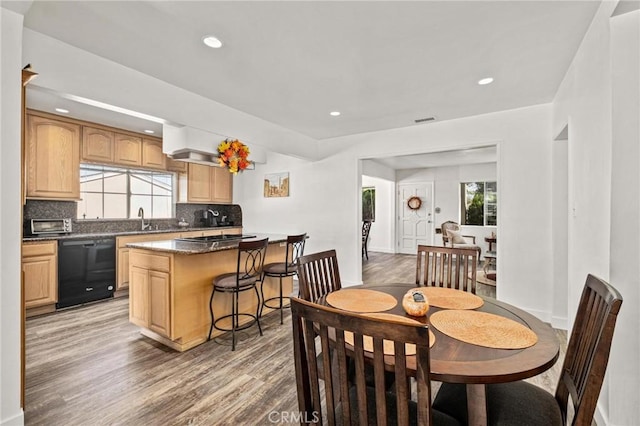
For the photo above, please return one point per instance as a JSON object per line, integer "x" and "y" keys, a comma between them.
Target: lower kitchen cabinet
{"x": 40, "y": 269}
{"x": 150, "y": 293}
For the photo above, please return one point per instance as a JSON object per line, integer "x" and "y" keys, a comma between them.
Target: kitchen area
{"x": 100, "y": 202}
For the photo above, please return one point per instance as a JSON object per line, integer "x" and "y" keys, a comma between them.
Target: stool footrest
{"x": 239, "y": 327}
{"x": 264, "y": 302}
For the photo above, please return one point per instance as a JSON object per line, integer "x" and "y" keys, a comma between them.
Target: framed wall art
{"x": 276, "y": 185}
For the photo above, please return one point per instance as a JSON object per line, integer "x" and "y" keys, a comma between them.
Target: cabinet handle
{"x": 89, "y": 289}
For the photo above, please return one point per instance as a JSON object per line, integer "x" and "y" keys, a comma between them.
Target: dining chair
{"x": 366, "y": 228}
{"x": 521, "y": 403}
{"x": 447, "y": 267}
{"x": 280, "y": 270}
{"x": 352, "y": 401}
{"x": 248, "y": 274}
{"x": 318, "y": 275}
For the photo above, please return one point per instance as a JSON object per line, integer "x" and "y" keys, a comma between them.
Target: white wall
{"x": 624, "y": 270}
{"x": 523, "y": 137}
{"x": 10, "y": 311}
{"x": 603, "y": 158}
{"x": 382, "y": 233}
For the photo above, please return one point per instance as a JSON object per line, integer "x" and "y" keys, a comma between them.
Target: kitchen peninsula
{"x": 170, "y": 286}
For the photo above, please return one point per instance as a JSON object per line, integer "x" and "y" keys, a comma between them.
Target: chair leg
{"x": 211, "y": 312}
{"x": 234, "y": 320}
{"x": 261, "y": 297}
{"x": 281, "y": 313}
{"x": 258, "y": 310}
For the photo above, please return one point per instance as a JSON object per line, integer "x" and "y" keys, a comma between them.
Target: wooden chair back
{"x": 330, "y": 324}
{"x": 318, "y": 275}
{"x": 251, "y": 255}
{"x": 295, "y": 249}
{"x": 588, "y": 350}
{"x": 447, "y": 267}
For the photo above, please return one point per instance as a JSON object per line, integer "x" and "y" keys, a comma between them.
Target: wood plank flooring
{"x": 90, "y": 366}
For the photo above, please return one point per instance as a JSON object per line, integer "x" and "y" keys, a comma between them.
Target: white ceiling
{"x": 382, "y": 64}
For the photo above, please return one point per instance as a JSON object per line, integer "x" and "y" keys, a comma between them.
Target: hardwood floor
{"x": 90, "y": 366}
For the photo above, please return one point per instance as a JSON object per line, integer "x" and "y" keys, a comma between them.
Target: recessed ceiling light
{"x": 62, "y": 110}
{"x": 484, "y": 81}
{"x": 149, "y": 131}
{"x": 212, "y": 41}
{"x": 334, "y": 113}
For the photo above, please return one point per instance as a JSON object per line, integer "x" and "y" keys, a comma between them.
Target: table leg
{"x": 477, "y": 404}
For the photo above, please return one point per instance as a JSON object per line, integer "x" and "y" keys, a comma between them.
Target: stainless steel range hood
{"x": 194, "y": 156}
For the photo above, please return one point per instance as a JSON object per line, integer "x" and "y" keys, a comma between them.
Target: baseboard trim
{"x": 599, "y": 417}
{"x": 17, "y": 420}
{"x": 560, "y": 323}
{"x": 381, "y": 249}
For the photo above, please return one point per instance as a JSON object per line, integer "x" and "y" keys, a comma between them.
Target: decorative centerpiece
{"x": 415, "y": 303}
{"x": 233, "y": 154}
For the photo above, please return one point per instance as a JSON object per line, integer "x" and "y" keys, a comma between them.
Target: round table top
{"x": 454, "y": 361}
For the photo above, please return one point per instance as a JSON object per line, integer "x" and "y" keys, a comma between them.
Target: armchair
{"x": 451, "y": 237}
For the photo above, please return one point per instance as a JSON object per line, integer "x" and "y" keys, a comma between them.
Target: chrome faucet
{"x": 213, "y": 221}
{"x": 141, "y": 216}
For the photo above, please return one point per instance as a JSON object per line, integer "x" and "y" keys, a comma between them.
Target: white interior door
{"x": 415, "y": 226}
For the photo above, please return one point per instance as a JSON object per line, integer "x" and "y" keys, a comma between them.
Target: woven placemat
{"x": 387, "y": 345}
{"x": 449, "y": 298}
{"x": 361, "y": 300}
{"x": 483, "y": 329}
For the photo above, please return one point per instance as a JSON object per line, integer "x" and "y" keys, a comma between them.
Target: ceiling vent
{"x": 424, "y": 120}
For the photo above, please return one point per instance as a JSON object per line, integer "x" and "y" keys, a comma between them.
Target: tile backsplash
{"x": 192, "y": 213}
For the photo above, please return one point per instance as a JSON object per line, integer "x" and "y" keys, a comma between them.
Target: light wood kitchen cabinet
{"x": 208, "y": 184}
{"x": 128, "y": 150}
{"x": 176, "y": 166}
{"x": 221, "y": 185}
{"x": 97, "y": 145}
{"x": 159, "y": 300}
{"x": 40, "y": 269}
{"x": 150, "y": 292}
{"x": 152, "y": 155}
{"x": 52, "y": 158}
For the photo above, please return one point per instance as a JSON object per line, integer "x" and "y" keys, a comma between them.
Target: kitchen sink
{"x": 215, "y": 238}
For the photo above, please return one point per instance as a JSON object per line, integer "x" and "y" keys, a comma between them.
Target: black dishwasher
{"x": 86, "y": 270}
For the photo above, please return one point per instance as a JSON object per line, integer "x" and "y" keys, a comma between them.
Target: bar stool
{"x": 295, "y": 249}
{"x": 248, "y": 273}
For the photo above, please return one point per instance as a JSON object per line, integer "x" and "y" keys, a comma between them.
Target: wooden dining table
{"x": 454, "y": 361}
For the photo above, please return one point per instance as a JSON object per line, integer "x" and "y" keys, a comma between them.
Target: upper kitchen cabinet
{"x": 176, "y": 166}
{"x": 152, "y": 155}
{"x": 52, "y": 158}
{"x": 97, "y": 145}
{"x": 128, "y": 150}
{"x": 221, "y": 185}
{"x": 208, "y": 184}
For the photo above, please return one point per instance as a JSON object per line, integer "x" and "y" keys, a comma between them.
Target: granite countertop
{"x": 189, "y": 247}
{"x": 119, "y": 234}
